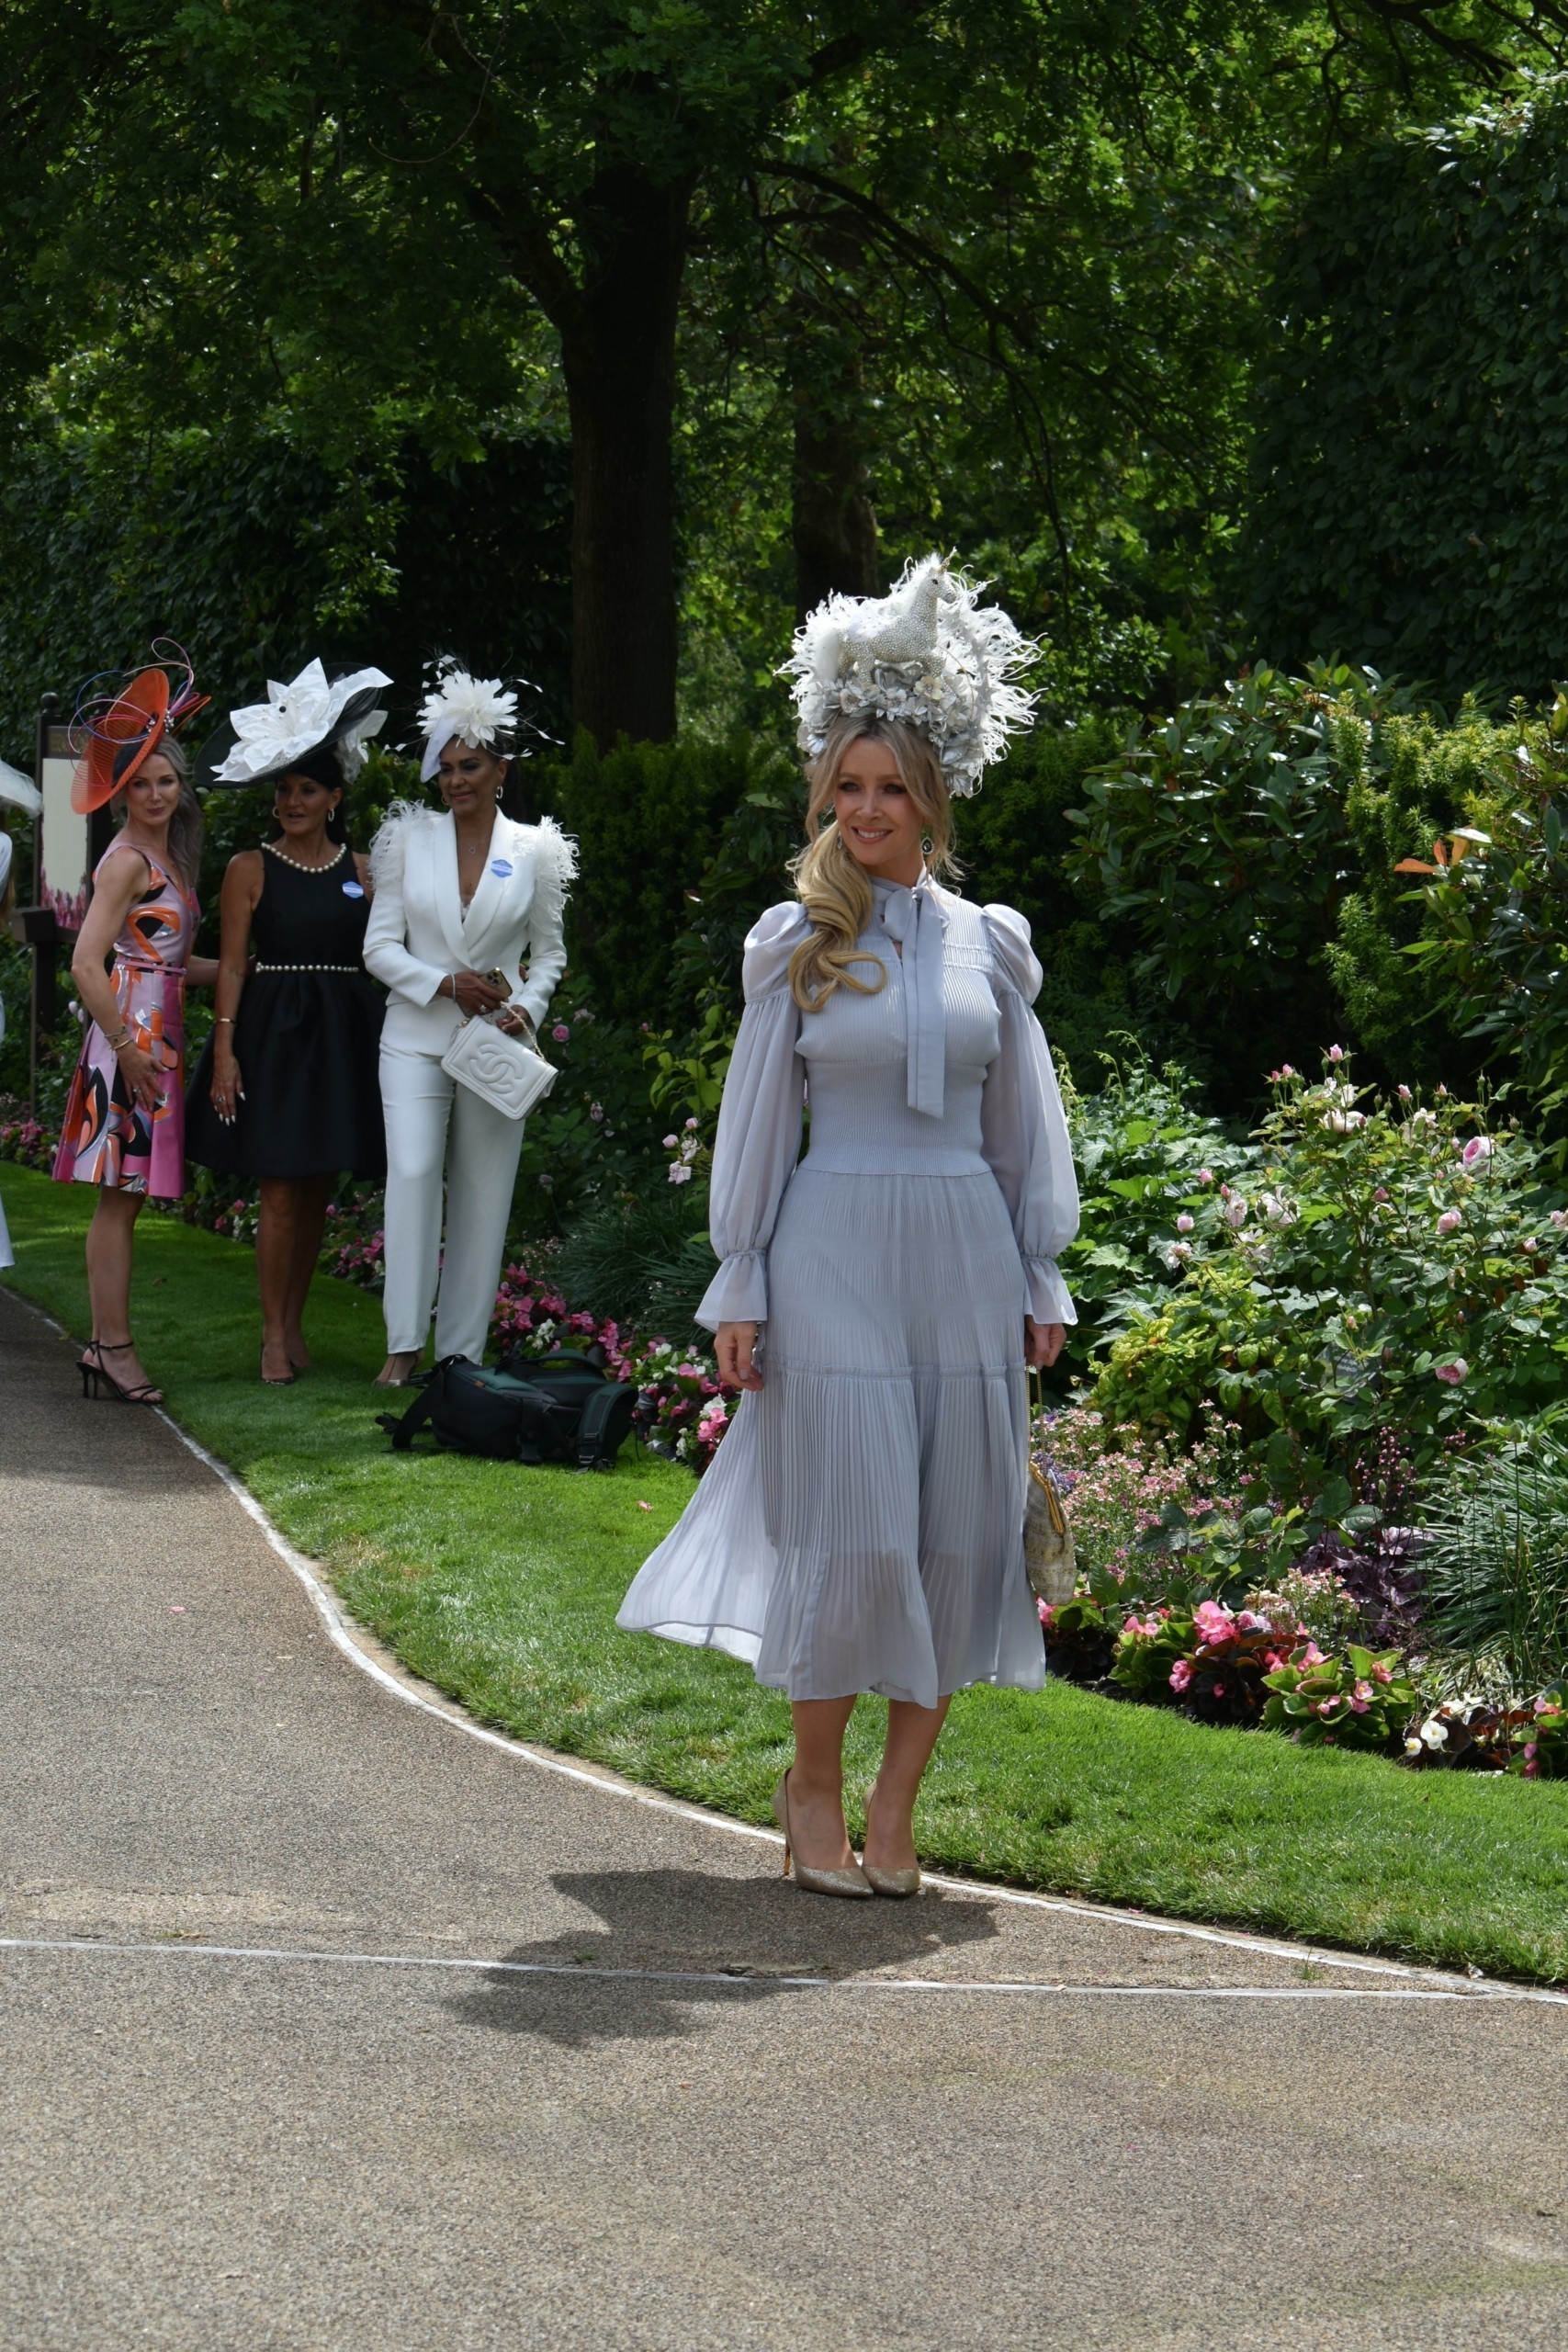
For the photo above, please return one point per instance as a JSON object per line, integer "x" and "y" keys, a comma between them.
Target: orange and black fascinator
{"x": 118, "y": 726}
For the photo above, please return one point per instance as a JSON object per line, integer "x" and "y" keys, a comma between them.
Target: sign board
{"x": 65, "y": 851}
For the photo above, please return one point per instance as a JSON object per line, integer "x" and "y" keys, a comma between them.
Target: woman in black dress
{"x": 286, "y": 1090}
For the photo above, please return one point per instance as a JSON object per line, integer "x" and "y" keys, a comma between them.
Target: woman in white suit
{"x": 461, "y": 897}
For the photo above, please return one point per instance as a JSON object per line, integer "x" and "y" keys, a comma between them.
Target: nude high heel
{"x": 900, "y": 1884}
{"x": 849, "y": 1882}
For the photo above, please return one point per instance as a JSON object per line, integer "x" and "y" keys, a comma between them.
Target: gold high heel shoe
{"x": 897, "y": 1884}
{"x": 849, "y": 1882}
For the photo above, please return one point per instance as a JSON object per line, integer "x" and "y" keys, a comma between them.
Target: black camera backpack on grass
{"x": 563, "y": 1407}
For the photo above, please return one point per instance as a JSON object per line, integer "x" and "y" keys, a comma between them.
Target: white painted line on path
{"x": 741, "y": 1980}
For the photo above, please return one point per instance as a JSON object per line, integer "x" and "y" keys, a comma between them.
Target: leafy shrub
{"x": 1495, "y": 1554}
{"x": 1360, "y": 1701}
{"x": 1411, "y": 464}
{"x": 1249, "y": 843}
{"x": 1398, "y": 1268}
{"x": 1493, "y": 928}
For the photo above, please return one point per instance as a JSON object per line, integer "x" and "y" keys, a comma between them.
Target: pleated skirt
{"x": 861, "y": 1528}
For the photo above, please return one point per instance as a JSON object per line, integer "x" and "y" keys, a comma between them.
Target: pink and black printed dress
{"x": 106, "y": 1139}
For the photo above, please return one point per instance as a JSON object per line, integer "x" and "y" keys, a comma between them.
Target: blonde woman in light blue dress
{"x": 879, "y": 1300}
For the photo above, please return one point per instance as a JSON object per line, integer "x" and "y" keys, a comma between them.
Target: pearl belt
{"x": 307, "y": 967}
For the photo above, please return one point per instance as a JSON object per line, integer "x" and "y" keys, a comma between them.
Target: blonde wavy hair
{"x": 829, "y": 881}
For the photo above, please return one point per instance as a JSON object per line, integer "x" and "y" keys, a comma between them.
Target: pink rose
{"x": 1453, "y": 1373}
{"x": 1336, "y": 1053}
{"x": 1476, "y": 1150}
{"x": 1405, "y": 1094}
{"x": 561, "y": 1034}
{"x": 1205, "y": 1175}
{"x": 1184, "y": 1223}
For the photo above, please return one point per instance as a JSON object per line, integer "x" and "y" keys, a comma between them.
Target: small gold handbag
{"x": 1048, "y": 1553}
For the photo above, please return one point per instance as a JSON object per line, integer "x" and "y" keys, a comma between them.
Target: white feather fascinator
{"x": 312, "y": 711}
{"x": 929, "y": 654}
{"x": 474, "y": 710}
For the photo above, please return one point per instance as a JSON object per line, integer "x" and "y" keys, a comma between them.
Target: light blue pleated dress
{"x": 861, "y": 1527}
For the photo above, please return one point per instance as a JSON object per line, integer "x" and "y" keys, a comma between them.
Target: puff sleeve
{"x": 759, "y": 1124}
{"x": 1023, "y": 1127}
{"x": 556, "y": 866}
{"x": 386, "y": 934}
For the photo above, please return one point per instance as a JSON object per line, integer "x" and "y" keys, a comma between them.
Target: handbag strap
{"x": 402, "y": 1428}
{"x": 590, "y": 1428}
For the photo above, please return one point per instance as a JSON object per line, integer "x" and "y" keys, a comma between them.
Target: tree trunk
{"x": 833, "y": 522}
{"x": 619, "y": 357}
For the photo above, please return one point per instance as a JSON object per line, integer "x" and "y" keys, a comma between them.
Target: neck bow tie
{"x": 913, "y": 918}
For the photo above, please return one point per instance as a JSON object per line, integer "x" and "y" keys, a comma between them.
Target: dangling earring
{"x": 926, "y": 844}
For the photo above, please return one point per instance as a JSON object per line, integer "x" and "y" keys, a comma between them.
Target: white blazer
{"x": 418, "y": 931}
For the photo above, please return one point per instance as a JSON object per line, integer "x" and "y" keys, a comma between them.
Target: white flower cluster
{"x": 471, "y": 710}
{"x": 929, "y": 654}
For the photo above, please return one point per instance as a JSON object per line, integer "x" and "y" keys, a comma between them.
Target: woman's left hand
{"x": 515, "y": 1021}
{"x": 1042, "y": 1343}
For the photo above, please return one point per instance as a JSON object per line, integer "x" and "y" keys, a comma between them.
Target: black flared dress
{"x": 307, "y": 1037}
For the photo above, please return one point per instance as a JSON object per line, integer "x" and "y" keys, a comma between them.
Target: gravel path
{"x": 324, "y": 2023}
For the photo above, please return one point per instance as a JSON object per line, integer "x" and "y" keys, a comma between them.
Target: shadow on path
{"x": 753, "y": 1930}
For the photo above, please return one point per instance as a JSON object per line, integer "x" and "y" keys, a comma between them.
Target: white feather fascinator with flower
{"x": 473, "y": 710}
{"x": 929, "y": 654}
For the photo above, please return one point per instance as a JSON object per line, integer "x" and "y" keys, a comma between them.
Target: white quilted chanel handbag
{"x": 509, "y": 1073}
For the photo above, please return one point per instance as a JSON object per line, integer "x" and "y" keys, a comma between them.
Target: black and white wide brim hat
{"x": 318, "y": 711}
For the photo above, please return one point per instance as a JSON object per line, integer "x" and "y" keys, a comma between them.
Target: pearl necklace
{"x": 299, "y": 864}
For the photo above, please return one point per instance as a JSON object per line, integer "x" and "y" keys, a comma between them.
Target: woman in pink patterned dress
{"x": 124, "y": 1128}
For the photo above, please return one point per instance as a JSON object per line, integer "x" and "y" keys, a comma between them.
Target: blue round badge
{"x": 352, "y": 890}
{"x": 500, "y": 866}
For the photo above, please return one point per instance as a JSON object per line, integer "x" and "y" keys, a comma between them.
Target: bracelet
{"x": 224, "y": 1021}
{"x": 117, "y": 1044}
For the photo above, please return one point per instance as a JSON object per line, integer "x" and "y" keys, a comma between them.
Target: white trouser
{"x": 481, "y": 1169}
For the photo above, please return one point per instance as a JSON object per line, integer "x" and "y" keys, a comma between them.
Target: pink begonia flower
{"x": 1218, "y": 1692}
{"x": 1478, "y": 1148}
{"x": 1215, "y": 1624}
{"x": 1453, "y": 1373}
{"x": 1449, "y": 1222}
{"x": 1312, "y": 1654}
{"x": 1336, "y": 1053}
{"x": 1184, "y": 1223}
{"x": 1234, "y": 1211}
{"x": 1381, "y": 1673}
{"x": 1048, "y": 1614}
{"x": 1272, "y": 1661}
{"x": 1180, "y": 1675}
{"x": 1327, "y": 1706}
{"x": 561, "y": 1034}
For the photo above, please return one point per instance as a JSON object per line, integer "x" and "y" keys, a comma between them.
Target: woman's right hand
{"x": 227, "y": 1091}
{"x": 734, "y": 1347}
{"x": 139, "y": 1072}
{"x": 471, "y": 992}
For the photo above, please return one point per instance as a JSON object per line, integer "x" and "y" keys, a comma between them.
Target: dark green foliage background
{"x": 1410, "y": 472}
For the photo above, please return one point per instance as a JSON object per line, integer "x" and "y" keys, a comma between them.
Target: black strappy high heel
{"x": 148, "y": 1394}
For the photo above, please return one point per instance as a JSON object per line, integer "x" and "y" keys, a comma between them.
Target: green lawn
{"x": 500, "y": 1585}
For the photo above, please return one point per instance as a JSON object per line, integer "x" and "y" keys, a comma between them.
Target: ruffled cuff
{"x": 1047, "y": 1297}
{"x": 738, "y": 1292}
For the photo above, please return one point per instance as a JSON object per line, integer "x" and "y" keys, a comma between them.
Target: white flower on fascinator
{"x": 473, "y": 710}
{"x": 301, "y": 718}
